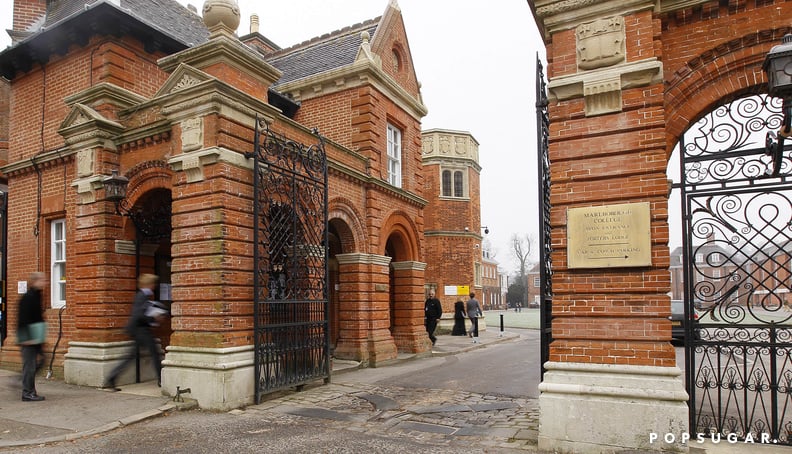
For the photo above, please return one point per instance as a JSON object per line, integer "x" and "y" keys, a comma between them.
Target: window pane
{"x": 58, "y": 263}
{"x": 394, "y": 156}
{"x": 458, "y": 184}
{"x": 446, "y": 183}
{"x": 58, "y": 231}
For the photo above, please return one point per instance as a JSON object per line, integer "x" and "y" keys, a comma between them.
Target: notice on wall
{"x": 454, "y": 290}
{"x": 609, "y": 236}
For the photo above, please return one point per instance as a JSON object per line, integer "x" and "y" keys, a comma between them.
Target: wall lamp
{"x": 115, "y": 187}
{"x": 778, "y": 66}
{"x": 486, "y": 229}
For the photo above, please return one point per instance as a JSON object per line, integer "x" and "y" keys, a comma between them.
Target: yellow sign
{"x": 609, "y": 236}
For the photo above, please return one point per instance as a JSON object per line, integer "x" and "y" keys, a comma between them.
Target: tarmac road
{"x": 504, "y": 369}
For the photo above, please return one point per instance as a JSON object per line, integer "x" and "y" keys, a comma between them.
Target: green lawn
{"x": 527, "y": 318}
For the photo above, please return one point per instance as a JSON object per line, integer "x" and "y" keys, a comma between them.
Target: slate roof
{"x": 324, "y": 53}
{"x": 167, "y": 16}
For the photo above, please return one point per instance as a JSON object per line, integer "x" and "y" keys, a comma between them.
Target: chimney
{"x": 28, "y": 13}
{"x": 254, "y": 23}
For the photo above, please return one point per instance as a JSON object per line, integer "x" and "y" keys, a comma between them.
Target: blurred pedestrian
{"x": 31, "y": 330}
{"x": 459, "y": 319}
{"x": 146, "y": 314}
{"x": 433, "y": 310}
{"x": 473, "y": 312}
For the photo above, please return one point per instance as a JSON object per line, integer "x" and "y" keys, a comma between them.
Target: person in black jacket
{"x": 139, "y": 329}
{"x": 30, "y": 311}
{"x": 433, "y": 310}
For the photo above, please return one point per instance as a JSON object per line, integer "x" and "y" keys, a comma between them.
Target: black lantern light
{"x": 778, "y": 66}
{"x": 115, "y": 187}
{"x": 486, "y": 229}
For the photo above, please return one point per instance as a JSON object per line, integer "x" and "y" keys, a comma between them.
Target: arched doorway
{"x": 151, "y": 221}
{"x": 397, "y": 248}
{"x": 337, "y": 231}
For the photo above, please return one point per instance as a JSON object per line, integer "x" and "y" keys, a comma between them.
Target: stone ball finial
{"x": 364, "y": 35}
{"x": 221, "y": 12}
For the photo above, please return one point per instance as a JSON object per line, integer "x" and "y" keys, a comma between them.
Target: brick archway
{"x": 715, "y": 76}
{"x": 405, "y": 285}
{"x": 401, "y": 233}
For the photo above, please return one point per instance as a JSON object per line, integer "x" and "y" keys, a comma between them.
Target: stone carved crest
{"x": 460, "y": 145}
{"x": 445, "y": 144}
{"x": 428, "y": 146}
{"x": 600, "y": 43}
{"x": 192, "y": 134}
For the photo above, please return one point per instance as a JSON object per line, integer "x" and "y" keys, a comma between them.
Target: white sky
{"x": 476, "y": 63}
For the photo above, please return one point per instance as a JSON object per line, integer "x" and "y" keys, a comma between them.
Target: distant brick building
{"x": 150, "y": 91}
{"x": 491, "y": 295}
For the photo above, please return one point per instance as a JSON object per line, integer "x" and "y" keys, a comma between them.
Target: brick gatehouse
{"x": 148, "y": 90}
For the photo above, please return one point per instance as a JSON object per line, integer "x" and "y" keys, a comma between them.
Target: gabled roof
{"x": 324, "y": 53}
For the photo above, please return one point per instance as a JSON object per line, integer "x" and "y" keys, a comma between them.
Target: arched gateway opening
{"x": 150, "y": 225}
{"x": 731, "y": 250}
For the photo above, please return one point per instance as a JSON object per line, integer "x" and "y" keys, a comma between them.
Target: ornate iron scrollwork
{"x": 290, "y": 261}
{"x": 737, "y": 211}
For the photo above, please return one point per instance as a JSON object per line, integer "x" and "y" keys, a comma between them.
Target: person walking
{"x": 473, "y": 311}
{"x": 433, "y": 310}
{"x": 459, "y": 319}
{"x": 145, "y": 315}
{"x": 31, "y": 317}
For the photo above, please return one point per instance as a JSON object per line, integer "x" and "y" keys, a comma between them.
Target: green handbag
{"x": 32, "y": 334}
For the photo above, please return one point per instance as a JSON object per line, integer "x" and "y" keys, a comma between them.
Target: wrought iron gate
{"x": 290, "y": 262}
{"x": 737, "y": 232}
{"x": 545, "y": 270}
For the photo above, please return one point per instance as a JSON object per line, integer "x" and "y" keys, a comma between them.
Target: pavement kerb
{"x": 499, "y": 339}
{"x": 411, "y": 357}
{"x": 97, "y": 430}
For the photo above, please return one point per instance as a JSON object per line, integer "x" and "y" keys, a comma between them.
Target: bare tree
{"x": 521, "y": 250}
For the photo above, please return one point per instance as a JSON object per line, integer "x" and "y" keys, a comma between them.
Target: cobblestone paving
{"x": 436, "y": 417}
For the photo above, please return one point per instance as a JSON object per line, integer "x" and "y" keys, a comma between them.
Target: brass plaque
{"x": 609, "y": 236}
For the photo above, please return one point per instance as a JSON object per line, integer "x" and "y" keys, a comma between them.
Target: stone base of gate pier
{"x": 218, "y": 378}
{"x": 89, "y": 363}
{"x": 604, "y": 408}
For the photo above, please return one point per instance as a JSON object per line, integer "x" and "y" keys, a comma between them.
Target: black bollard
{"x": 501, "y": 330}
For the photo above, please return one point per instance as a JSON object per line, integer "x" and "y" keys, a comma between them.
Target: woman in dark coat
{"x": 459, "y": 319}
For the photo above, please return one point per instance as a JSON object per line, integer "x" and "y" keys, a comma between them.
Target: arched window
{"x": 396, "y": 60}
{"x": 458, "y": 184}
{"x": 446, "y": 183}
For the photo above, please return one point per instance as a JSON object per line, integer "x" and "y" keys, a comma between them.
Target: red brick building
{"x": 148, "y": 90}
{"x": 452, "y": 216}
